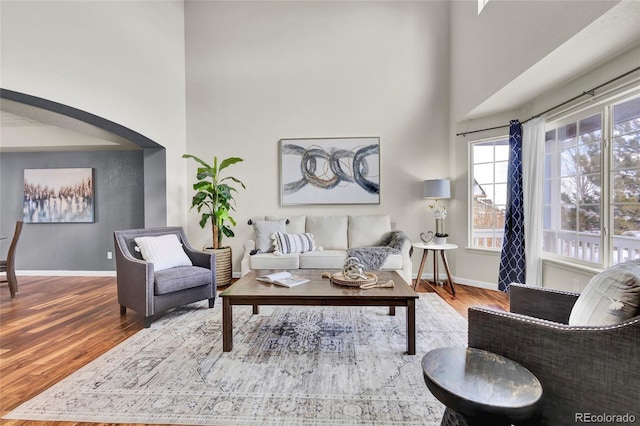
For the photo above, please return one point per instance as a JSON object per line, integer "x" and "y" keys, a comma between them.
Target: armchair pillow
{"x": 264, "y": 230}
{"x": 164, "y": 251}
{"x": 611, "y": 297}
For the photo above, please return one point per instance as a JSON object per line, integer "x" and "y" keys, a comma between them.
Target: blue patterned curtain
{"x": 512, "y": 259}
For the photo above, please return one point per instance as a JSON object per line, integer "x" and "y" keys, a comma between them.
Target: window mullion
{"x": 607, "y": 190}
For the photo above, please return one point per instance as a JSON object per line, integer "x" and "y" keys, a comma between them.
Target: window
{"x": 489, "y": 163}
{"x": 592, "y": 185}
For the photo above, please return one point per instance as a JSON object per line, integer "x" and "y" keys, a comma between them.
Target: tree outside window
{"x": 575, "y": 197}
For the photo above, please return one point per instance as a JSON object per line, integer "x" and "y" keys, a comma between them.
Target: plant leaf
{"x": 229, "y": 161}
{"x": 197, "y": 159}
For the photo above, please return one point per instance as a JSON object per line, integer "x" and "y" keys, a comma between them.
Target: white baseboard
{"x": 457, "y": 280}
{"x": 474, "y": 283}
{"x": 426, "y": 276}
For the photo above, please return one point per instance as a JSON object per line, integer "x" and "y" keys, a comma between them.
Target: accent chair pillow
{"x": 284, "y": 243}
{"x": 264, "y": 230}
{"x": 611, "y": 297}
{"x": 164, "y": 251}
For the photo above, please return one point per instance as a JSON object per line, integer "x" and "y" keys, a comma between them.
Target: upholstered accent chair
{"x": 158, "y": 270}
{"x": 582, "y": 368}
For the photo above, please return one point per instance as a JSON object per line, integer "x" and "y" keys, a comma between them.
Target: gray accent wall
{"x": 119, "y": 183}
{"x": 155, "y": 187}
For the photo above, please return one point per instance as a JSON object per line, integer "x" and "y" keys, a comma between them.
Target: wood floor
{"x": 58, "y": 324}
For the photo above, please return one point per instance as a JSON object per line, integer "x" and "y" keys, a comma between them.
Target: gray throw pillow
{"x": 264, "y": 230}
{"x": 611, "y": 297}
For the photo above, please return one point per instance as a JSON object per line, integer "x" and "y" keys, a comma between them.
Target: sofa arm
{"x": 542, "y": 303}
{"x": 582, "y": 369}
{"x": 407, "y": 265}
{"x": 245, "y": 263}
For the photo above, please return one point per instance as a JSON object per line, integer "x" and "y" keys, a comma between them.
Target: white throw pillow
{"x": 164, "y": 251}
{"x": 284, "y": 243}
{"x": 612, "y": 296}
{"x": 295, "y": 224}
{"x": 264, "y": 230}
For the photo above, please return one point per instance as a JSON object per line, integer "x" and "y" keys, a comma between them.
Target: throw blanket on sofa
{"x": 374, "y": 257}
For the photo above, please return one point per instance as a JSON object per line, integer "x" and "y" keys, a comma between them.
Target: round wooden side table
{"x": 480, "y": 387}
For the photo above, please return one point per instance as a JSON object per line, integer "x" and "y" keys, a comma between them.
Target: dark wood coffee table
{"x": 317, "y": 292}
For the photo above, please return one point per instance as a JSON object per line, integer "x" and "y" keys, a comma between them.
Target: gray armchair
{"x": 585, "y": 370}
{"x": 150, "y": 293}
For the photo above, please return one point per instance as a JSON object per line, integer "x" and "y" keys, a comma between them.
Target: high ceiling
{"x": 611, "y": 35}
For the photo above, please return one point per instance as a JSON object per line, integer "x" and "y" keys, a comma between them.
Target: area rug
{"x": 289, "y": 365}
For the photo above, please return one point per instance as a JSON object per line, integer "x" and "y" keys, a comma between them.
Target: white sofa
{"x": 333, "y": 235}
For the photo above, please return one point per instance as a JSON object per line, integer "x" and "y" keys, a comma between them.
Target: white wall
{"x": 261, "y": 71}
{"x": 489, "y": 50}
{"x": 123, "y": 61}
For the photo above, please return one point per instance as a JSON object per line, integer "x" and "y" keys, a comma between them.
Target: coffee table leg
{"x": 227, "y": 325}
{"x": 411, "y": 327}
{"x": 256, "y": 310}
{"x": 392, "y": 310}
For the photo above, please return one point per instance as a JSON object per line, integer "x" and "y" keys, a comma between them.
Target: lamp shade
{"x": 436, "y": 188}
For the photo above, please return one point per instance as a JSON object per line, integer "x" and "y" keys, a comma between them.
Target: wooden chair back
{"x": 9, "y": 265}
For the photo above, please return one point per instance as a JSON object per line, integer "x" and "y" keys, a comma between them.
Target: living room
{"x": 234, "y": 78}
{"x": 196, "y": 88}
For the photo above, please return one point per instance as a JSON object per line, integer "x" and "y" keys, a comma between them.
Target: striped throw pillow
{"x": 284, "y": 243}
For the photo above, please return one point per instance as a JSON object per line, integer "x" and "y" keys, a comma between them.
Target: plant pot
{"x": 440, "y": 241}
{"x": 223, "y": 264}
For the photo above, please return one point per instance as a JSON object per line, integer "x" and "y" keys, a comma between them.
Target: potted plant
{"x": 440, "y": 212}
{"x": 214, "y": 201}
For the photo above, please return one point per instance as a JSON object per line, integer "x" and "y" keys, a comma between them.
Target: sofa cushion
{"x": 271, "y": 261}
{"x": 296, "y": 223}
{"x": 164, "y": 251}
{"x": 324, "y": 259}
{"x": 330, "y": 232}
{"x": 365, "y": 231}
{"x": 264, "y": 230}
{"x": 611, "y": 297}
{"x": 284, "y": 243}
{"x": 180, "y": 278}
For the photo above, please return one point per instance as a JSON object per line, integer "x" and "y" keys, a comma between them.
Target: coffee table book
{"x": 284, "y": 278}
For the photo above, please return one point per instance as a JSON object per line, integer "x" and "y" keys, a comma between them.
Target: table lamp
{"x": 437, "y": 189}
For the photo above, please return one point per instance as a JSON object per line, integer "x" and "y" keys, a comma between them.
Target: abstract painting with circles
{"x": 330, "y": 171}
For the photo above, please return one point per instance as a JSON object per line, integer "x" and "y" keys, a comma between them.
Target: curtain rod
{"x": 591, "y": 92}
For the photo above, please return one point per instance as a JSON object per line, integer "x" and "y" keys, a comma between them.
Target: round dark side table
{"x": 480, "y": 387}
